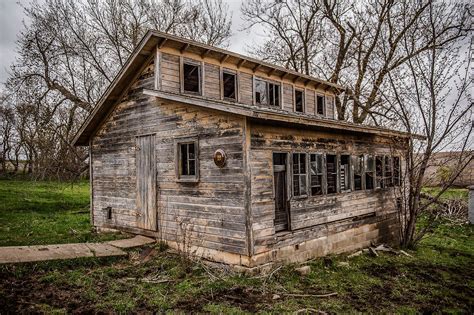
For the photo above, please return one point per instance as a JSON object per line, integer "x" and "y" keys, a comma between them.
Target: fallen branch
{"x": 312, "y": 295}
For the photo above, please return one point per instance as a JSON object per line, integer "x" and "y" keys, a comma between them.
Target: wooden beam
{"x": 256, "y": 67}
{"x": 205, "y": 52}
{"x": 284, "y": 75}
{"x": 184, "y": 48}
{"x": 271, "y": 72}
{"x": 162, "y": 43}
{"x": 306, "y": 82}
{"x": 223, "y": 59}
{"x": 241, "y": 63}
{"x": 296, "y": 79}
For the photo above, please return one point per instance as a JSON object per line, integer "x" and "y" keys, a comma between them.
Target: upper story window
{"x": 267, "y": 93}
{"x": 320, "y": 105}
{"x": 299, "y": 101}
{"x": 191, "y": 77}
{"x": 229, "y": 83}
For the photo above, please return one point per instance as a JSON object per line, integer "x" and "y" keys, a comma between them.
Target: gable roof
{"x": 153, "y": 39}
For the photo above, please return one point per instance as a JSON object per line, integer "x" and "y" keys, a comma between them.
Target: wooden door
{"x": 146, "y": 182}
{"x": 280, "y": 192}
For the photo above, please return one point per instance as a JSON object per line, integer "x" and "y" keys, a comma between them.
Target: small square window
{"x": 191, "y": 78}
{"x": 299, "y": 101}
{"x": 229, "y": 85}
{"x": 187, "y": 166}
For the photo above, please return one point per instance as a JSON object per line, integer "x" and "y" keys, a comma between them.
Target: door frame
{"x": 154, "y": 180}
{"x": 287, "y": 187}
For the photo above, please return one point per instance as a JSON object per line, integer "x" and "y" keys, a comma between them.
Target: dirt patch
{"x": 425, "y": 287}
{"x": 246, "y": 299}
{"x": 28, "y": 294}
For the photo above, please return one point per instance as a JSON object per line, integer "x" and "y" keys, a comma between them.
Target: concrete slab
{"x": 138, "y": 240}
{"x": 19, "y": 254}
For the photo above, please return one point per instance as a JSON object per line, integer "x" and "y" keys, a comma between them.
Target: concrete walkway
{"x": 20, "y": 254}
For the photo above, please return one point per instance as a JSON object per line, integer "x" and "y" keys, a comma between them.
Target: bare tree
{"x": 70, "y": 52}
{"x": 430, "y": 95}
{"x": 354, "y": 44}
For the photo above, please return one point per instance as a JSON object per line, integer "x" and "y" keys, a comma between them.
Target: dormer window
{"x": 191, "y": 77}
{"x": 299, "y": 101}
{"x": 267, "y": 93}
{"x": 320, "y": 105}
{"x": 229, "y": 83}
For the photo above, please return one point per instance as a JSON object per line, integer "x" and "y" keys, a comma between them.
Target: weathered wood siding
{"x": 288, "y": 97}
{"x": 146, "y": 182}
{"x": 169, "y": 73}
{"x": 310, "y": 100}
{"x": 246, "y": 88}
{"x": 208, "y": 214}
{"x": 170, "y": 82}
{"x": 212, "y": 87}
{"x": 314, "y": 214}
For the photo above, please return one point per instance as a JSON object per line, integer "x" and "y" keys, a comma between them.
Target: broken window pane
{"x": 358, "y": 166}
{"x": 379, "y": 171}
{"x": 316, "y": 165}
{"x": 299, "y": 101}
{"x": 331, "y": 173}
{"x": 345, "y": 174}
{"x": 229, "y": 83}
{"x": 320, "y": 104}
{"x": 261, "y": 92}
{"x": 299, "y": 174}
{"x": 191, "y": 78}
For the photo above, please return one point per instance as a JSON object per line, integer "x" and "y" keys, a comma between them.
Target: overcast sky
{"x": 12, "y": 17}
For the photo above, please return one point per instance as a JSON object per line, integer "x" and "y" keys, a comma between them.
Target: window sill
{"x": 302, "y": 197}
{"x": 191, "y": 93}
{"x": 187, "y": 180}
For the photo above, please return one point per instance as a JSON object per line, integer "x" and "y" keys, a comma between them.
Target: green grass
{"x": 37, "y": 213}
{"x": 457, "y": 193}
{"x": 438, "y": 278}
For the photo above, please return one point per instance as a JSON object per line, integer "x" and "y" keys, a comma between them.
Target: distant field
{"x": 461, "y": 193}
{"x": 45, "y": 213}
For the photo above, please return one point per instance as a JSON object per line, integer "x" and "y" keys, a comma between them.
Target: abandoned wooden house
{"x": 236, "y": 160}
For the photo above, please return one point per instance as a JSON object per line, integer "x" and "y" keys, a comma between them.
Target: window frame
{"x": 333, "y": 105}
{"x": 303, "y": 105}
{"x": 358, "y": 159}
{"x": 367, "y": 171}
{"x": 349, "y": 168}
{"x": 267, "y": 92}
{"x": 177, "y": 148}
{"x": 300, "y": 175}
{"x": 236, "y": 85}
{"x": 324, "y": 104}
{"x": 200, "y": 67}
{"x": 321, "y": 173}
{"x": 337, "y": 163}
{"x": 397, "y": 181}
